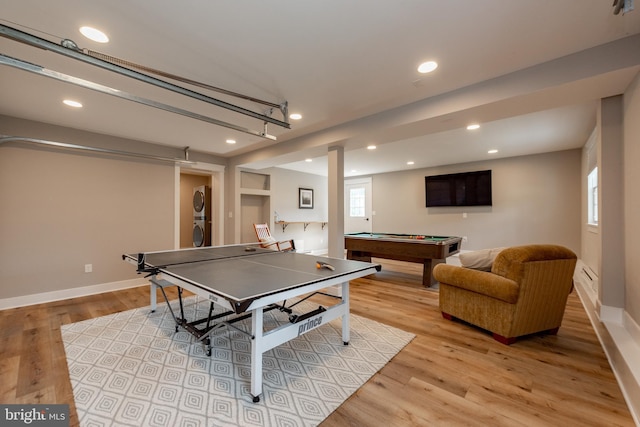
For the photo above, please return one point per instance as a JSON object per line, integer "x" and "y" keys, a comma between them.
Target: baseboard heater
{"x": 587, "y": 277}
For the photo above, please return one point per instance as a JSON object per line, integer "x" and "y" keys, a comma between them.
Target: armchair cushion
{"x": 479, "y": 260}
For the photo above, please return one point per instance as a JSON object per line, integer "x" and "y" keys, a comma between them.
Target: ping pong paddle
{"x": 320, "y": 264}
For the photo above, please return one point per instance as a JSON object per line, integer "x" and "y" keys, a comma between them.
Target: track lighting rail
{"x": 76, "y": 53}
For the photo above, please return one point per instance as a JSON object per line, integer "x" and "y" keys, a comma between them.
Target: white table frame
{"x": 264, "y": 341}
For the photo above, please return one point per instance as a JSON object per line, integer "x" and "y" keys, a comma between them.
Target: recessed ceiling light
{"x": 371, "y": 147}
{"x": 410, "y": 163}
{"x": 308, "y": 160}
{"x": 427, "y": 67}
{"x": 473, "y": 126}
{"x": 492, "y": 151}
{"x": 72, "y": 103}
{"x": 295, "y": 116}
{"x": 231, "y": 141}
{"x": 94, "y": 34}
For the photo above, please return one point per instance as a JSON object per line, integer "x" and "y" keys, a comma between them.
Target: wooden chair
{"x": 268, "y": 241}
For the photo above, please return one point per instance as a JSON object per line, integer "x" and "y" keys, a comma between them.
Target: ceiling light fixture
{"x": 94, "y": 34}
{"x": 231, "y": 141}
{"x": 295, "y": 116}
{"x": 371, "y": 147}
{"x": 72, "y": 103}
{"x": 473, "y": 126}
{"x": 492, "y": 151}
{"x": 427, "y": 67}
{"x": 410, "y": 163}
{"x": 308, "y": 160}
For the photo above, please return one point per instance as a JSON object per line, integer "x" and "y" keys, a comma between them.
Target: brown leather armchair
{"x": 525, "y": 292}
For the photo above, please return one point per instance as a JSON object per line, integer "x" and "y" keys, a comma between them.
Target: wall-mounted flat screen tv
{"x": 459, "y": 189}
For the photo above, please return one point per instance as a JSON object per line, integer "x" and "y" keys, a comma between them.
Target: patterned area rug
{"x": 132, "y": 368}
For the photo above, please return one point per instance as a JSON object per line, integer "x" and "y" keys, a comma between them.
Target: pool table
{"x": 423, "y": 249}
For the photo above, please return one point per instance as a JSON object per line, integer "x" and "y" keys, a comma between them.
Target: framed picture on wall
{"x": 305, "y": 198}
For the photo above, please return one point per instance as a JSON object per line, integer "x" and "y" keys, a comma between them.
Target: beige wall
{"x": 281, "y": 195}
{"x": 284, "y": 200}
{"x": 62, "y": 210}
{"x": 631, "y": 227}
{"x": 631, "y": 173}
{"x": 536, "y": 199}
{"x": 254, "y": 210}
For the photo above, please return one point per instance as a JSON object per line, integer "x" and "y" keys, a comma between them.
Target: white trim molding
{"x": 216, "y": 174}
{"x": 624, "y": 356}
{"x": 63, "y": 294}
{"x": 611, "y": 315}
{"x": 632, "y": 327}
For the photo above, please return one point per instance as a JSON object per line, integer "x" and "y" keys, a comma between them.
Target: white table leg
{"x": 256, "y": 353}
{"x": 345, "y": 317}
{"x": 153, "y": 296}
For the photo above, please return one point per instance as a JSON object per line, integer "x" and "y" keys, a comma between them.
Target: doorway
{"x": 357, "y": 206}
{"x": 186, "y": 179}
{"x": 188, "y": 182}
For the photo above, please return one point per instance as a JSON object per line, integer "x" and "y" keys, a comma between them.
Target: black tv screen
{"x": 459, "y": 189}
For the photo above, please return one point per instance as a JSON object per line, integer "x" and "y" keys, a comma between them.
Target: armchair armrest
{"x": 481, "y": 282}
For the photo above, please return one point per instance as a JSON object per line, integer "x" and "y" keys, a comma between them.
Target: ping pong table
{"x": 245, "y": 281}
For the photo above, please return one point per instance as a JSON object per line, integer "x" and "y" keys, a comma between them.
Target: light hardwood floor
{"x": 450, "y": 374}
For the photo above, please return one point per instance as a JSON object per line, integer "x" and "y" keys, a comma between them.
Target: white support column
{"x": 336, "y": 202}
{"x": 610, "y": 203}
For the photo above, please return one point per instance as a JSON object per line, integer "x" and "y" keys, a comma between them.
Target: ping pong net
{"x": 153, "y": 262}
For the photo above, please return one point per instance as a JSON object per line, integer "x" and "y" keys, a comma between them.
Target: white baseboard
{"x": 632, "y": 327}
{"x": 45, "y": 297}
{"x": 624, "y": 358}
{"x": 611, "y": 315}
{"x": 619, "y": 336}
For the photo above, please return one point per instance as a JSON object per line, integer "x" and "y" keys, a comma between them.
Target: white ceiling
{"x": 348, "y": 67}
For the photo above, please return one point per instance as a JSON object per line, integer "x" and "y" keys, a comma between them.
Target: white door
{"x": 357, "y": 206}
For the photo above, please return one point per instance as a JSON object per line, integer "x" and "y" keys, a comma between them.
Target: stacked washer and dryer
{"x": 201, "y": 216}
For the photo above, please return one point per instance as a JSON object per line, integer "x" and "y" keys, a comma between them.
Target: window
{"x": 356, "y": 198}
{"x": 592, "y": 188}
